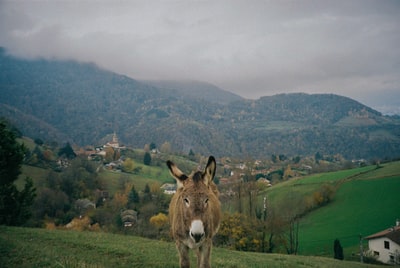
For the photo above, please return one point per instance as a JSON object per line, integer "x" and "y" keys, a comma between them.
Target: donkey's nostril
{"x": 197, "y": 237}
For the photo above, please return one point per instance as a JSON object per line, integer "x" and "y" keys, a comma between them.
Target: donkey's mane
{"x": 197, "y": 177}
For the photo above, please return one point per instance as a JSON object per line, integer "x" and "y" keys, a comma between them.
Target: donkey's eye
{"x": 206, "y": 201}
{"x": 186, "y": 201}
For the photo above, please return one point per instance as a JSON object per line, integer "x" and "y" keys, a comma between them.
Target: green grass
{"x": 38, "y": 175}
{"x": 147, "y": 175}
{"x": 366, "y": 202}
{"x": 305, "y": 186}
{"x": 25, "y": 247}
{"x": 363, "y": 204}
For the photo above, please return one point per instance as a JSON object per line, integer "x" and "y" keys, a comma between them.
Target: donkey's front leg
{"x": 203, "y": 255}
{"x": 183, "y": 250}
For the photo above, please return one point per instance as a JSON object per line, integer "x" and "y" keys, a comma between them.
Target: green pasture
{"x": 38, "y": 175}
{"x": 29, "y": 143}
{"x": 307, "y": 185}
{"x": 111, "y": 179}
{"x": 147, "y": 175}
{"x": 26, "y": 247}
{"x": 363, "y": 205}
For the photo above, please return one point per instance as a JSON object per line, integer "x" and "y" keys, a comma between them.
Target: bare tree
{"x": 292, "y": 210}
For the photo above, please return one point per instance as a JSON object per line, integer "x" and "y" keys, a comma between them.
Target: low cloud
{"x": 252, "y": 48}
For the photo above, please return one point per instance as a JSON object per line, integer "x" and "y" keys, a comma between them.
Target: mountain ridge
{"x": 195, "y": 89}
{"x": 81, "y": 103}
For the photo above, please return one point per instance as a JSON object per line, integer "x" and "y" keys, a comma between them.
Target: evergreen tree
{"x": 133, "y": 197}
{"x": 147, "y": 194}
{"x": 318, "y": 157}
{"x": 67, "y": 151}
{"x": 147, "y": 159}
{"x": 338, "y": 250}
{"x": 191, "y": 153}
{"x": 14, "y": 204}
{"x": 153, "y": 146}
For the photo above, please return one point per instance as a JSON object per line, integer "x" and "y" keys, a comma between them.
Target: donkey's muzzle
{"x": 197, "y": 230}
{"x": 197, "y": 237}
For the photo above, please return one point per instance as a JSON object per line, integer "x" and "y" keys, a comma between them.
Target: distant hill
{"x": 195, "y": 89}
{"x": 81, "y": 103}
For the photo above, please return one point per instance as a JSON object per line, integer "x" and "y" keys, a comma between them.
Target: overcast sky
{"x": 251, "y": 48}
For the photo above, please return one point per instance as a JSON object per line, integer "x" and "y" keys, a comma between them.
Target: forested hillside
{"x": 81, "y": 103}
{"x": 195, "y": 89}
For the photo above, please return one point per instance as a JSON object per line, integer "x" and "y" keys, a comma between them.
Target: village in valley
{"x": 230, "y": 171}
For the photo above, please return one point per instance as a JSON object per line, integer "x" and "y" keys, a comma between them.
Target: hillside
{"x": 19, "y": 248}
{"x": 81, "y": 103}
{"x": 195, "y": 89}
{"x": 363, "y": 205}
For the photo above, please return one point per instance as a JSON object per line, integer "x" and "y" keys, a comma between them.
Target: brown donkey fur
{"x": 194, "y": 213}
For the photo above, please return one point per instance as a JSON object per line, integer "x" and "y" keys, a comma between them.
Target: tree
{"x": 11, "y": 156}
{"x": 133, "y": 197}
{"x": 153, "y": 146}
{"x": 109, "y": 154}
{"x": 146, "y": 147}
{"x": 14, "y": 204}
{"x": 38, "y": 142}
{"x": 128, "y": 165}
{"x": 147, "y": 159}
{"x": 67, "y": 151}
{"x": 288, "y": 173}
{"x": 191, "y": 155}
{"x": 338, "y": 250}
{"x": 165, "y": 147}
{"x": 159, "y": 220}
{"x": 147, "y": 193}
{"x": 291, "y": 209}
{"x": 318, "y": 157}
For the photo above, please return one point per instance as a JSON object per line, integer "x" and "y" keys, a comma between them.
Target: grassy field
{"x": 366, "y": 201}
{"x": 363, "y": 205}
{"x": 148, "y": 175}
{"x": 25, "y": 247}
{"x": 307, "y": 185}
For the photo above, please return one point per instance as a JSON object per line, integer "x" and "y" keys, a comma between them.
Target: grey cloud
{"x": 252, "y": 48}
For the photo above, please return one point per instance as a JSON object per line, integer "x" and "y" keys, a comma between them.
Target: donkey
{"x": 194, "y": 213}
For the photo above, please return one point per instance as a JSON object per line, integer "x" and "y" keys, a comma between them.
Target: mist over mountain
{"x": 81, "y": 103}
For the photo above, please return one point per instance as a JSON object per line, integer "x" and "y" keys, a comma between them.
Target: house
{"x": 169, "y": 188}
{"x": 114, "y": 143}
{"x": 129, "y": 217}
{"x": 385, "y": 245}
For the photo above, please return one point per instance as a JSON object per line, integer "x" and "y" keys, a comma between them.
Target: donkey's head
{"x": 197, "y": 202}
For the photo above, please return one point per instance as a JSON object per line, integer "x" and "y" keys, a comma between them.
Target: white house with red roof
{"x": 385, "y": 245}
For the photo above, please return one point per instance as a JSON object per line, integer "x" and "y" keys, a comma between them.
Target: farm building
{"x": 169, "y": 188}
{"x": 385, "y": 245}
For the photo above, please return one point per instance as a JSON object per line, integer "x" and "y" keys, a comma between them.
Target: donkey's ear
{"x": 178, "y": 175}
{"x": 209, "y": 172}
